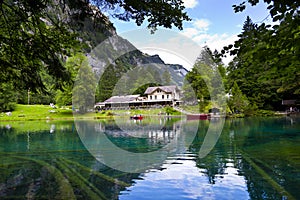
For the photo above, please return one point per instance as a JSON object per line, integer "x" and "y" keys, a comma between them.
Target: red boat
{"x": 137, "y": 117}
{"x": 198, "y": 116}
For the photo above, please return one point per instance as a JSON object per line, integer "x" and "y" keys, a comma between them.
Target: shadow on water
{"x": 256, "y": 158}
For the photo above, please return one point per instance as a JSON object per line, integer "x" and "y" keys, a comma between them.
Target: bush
{"x": 170, "y": 111}
{"x": 109, "y": 113}
{"x": 9, "y": 106}
{"x": 265, "y": 113}
{"x": 7, "y": 97}
{"x": 251, "y": 110}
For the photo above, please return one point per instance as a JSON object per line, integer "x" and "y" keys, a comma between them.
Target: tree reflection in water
{"x": 262, "y": 152}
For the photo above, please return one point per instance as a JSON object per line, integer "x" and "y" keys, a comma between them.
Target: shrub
{"x": 7, "y": 97}
{"x": 171, "y": 111}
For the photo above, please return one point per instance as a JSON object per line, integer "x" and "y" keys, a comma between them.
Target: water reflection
{"x": 130, "y": 147}
{"x": 255, "y": 158}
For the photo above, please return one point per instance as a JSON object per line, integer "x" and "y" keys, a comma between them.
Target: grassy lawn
{"x": 149, "y": 112}
{"x": 45, "y": 112}
{"x": 192, "y": 108}
{"x": 42, "y": 112}
{"x": 36, "y": 112}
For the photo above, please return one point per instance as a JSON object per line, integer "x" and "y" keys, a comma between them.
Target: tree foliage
{"x": 83, "y": 91}
{"x": 7, "y": 97}
{"x": 31, "y": 42}
{"x": 266, "y": 65}
{"x": 39, "y": 35}
{"x": 82, "y": 86}
{"x": 205, "y": 81}
{"x": 166, "y": 13}
{"x": 237, "y": 101}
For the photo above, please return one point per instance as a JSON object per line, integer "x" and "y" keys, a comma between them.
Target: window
{"x": 155, "y": 97}
{"x": 150, "y": 97}
{"x": 167, "y": 96}
{"x": 162, "y": 96}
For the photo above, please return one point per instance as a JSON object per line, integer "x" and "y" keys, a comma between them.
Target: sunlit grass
{"x": 41, "y": 112}
{"x": 45, "y": 112}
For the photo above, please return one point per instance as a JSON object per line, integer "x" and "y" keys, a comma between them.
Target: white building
{"x": 159, "y": 95}
{"x": 163, "y": 94}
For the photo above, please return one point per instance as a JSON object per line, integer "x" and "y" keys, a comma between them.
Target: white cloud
{"x": 190, "y": 32}
{"x": 201, "y": 24}
{"x": 217, "y": 42}
{"x": 198, "y": 31}
{"x": 198, "y": 26}
{"x": 201, "y": 38}
{"x": 190, "y": 3}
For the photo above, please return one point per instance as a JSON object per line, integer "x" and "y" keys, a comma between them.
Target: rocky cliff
{"x": 118, "y": 63}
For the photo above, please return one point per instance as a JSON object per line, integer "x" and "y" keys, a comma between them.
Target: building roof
{"x": 122, "y": 99}
{"x": 166, "y": 89}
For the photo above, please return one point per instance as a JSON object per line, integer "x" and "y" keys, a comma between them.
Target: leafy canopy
{"x": 38, "y": 35}
{"x": 266, "y": 65}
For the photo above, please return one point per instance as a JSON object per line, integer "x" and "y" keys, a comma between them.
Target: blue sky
{"x": 214, "y": 23}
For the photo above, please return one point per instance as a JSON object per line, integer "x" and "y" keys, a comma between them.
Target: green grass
{"x": 36, "y": 112}
{"x": 191, "y": 108}
{"x": 42, "y": 112}
{"x": 147, "y": 112}
{"x": 45, "y": 112}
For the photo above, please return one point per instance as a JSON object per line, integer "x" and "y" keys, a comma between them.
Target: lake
{"x": 156, "y": 158}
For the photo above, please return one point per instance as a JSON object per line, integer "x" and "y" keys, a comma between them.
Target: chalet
{"x": 153, "y": 97}
{"x": 121, "y": 101}
{"x": 166, "y": 95}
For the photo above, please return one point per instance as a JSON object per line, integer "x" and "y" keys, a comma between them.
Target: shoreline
{"x": 128, "y": 116}
{"x": 86, "y": 118}
{"x": 45, "y": 112}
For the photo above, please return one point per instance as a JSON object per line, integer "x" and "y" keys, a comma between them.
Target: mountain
{"x": 120, "y": 67}
{"x": 179, "y": 69}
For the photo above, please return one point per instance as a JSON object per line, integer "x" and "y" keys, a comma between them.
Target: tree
{"x": 282, "y": 43}
{"x": 82, "y": 86}
{"x": 73, "y": 64}
{"x": 39, "y": 35}
{"x": 8, "y": 97}
{"x": 188, "y": 94}
{"x": 279, "y": 9}
{"x": 205, "y": 76}
{"x": 205, "y": 80}
{"x": 198, "y": 82}
{"x": 83, "y": 93}
{"x": 158, "y": 13}
{"x": 32, "y": 42}
{"x": 237, "y": 101}
{"x": 107, "y": 83}
{"x": 266, "y": 64}
{"x": 144, "y": 77}
{"x": 166, "y": 77}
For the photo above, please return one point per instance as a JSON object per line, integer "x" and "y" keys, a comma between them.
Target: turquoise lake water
{"x": 156, "y": 158}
